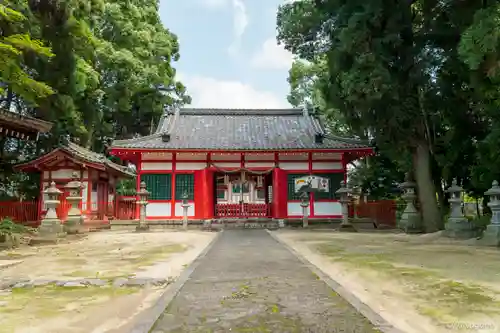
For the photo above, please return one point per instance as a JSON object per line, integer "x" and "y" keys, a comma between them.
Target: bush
{"x": 8, "y": 228}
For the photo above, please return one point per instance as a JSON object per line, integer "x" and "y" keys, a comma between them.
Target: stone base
{"x": 74, "y": 225}
{"x": 491, "y": 236}
{"x": 346, "y": 228}
{"x": 411, "y": 224}
{"x": 460, "y": 228}
{"x": 142, "y": 228}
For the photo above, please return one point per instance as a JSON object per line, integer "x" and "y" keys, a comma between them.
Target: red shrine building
{"x": 238, "y": 163}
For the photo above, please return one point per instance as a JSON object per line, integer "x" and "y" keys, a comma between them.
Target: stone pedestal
{"x": 305, "y": 212}
{"x": 185, "y": 207}
{"x": 143, "y": 202}
{"x": 457, "y": 225}
{"x": 74, "y": 221}
{"x": 344, "y": 192}
{"x": 411, "y": 221}
{"x": 491, "y": 236}
{"x": 50, "y": 229}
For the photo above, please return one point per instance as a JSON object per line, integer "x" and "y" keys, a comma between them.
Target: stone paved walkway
{"x": 248, "y": 282}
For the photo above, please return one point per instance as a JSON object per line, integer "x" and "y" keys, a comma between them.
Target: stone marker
{"x": 344, "y": 192}
{"x": 50, "y": 228}
{"x": 185, "y": 206}
{"x": 143, "y": 202}
{"x": 491, "y": 236}
{"x": 458, "y": 226}
{"x": 410, "y": 221}
{"x": 74, "y": 221}
{"x": 304, "y": 196}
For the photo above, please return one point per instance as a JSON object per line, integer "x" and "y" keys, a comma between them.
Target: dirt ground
{"x": 104, "y": 255}
{"x": 419, "y": 283}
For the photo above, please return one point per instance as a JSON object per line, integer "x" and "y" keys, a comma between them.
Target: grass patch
{"x": 51, "y": 300}
{"x": 444, "y": 300}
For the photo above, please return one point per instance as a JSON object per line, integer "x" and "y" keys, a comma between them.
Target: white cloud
{"x": 272, "y": 56}
{"x": 240, "y": 20}
{"x": 208, "y": 92}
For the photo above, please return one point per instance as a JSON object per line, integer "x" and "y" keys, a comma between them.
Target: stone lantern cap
{"x": 52, "y": 190}
{"x": 343, "y": 189}
{"x": 494, "y": 190}
{"x": 454, "y": 187}
{"x": 408, "y": 183}
{"x": 143, "y": 191}
{"x": 75, "y": 182}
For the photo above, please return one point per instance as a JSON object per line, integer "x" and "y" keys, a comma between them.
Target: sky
{"x": 229, "y": 57}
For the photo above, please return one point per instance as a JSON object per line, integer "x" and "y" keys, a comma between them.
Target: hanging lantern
{"x": 259, "y": 181}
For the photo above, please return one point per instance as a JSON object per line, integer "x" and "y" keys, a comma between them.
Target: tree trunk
{"x": 426, "y": 190}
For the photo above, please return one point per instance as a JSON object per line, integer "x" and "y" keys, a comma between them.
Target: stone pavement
{"x": 248, "y": 282}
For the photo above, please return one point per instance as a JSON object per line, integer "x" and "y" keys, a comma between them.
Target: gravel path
{"x": 248, "y": 282}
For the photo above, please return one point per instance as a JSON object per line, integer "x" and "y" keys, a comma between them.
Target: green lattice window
{"x": 334, "y": 185}
{"x": 158, "y": 185}
{"x": 291, "y": 186}
{"x": 184, "y": 183}
{"x": 221, "y": 193}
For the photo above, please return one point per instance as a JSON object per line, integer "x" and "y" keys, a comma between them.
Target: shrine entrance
{"x": 242, "y": 195}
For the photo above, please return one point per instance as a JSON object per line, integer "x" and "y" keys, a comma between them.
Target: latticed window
{"x": 184, "y": 184}
{"x": 158, "y": 185}
{"x": 291, "y": 186}
{"x": 334, "y": 185}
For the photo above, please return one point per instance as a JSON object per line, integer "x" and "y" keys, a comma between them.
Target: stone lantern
{"x": 50, "y": 227}
{"x": 304, "y": 203}
{"x": 143, "y": 202}
{"x": 185, "y": 206}
{"x": 410, "y": 221}
{"x": 74, "y": 221}
{"x": 457, "y": 226}
{"x": 344, "y": 192}
{"x": 491, "y": 236}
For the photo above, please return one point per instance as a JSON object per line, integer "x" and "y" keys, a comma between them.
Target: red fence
{"x": 381, "y": 211}
{"x": 27, "y": 211}
{"x": 19, "y": 211}
{"x": 245, "y": 210}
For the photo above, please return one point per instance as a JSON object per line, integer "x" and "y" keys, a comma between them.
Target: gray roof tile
{"x": 238, "y": 129}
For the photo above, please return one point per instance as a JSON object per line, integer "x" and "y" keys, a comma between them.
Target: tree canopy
{"x": 418, "y": 78}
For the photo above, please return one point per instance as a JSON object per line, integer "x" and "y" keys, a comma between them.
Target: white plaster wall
{"x": 190, "y": 166}
{"x": 259, "y": 164}
{"x": 294, "y": 165}
{"x": 179, "y": 211}
{"x": 295, "y": 209}
{"x": 259, "y": 157}
{"x": 85, "y": 192}
{"x": 157, "y": 209}
{"x": 63, "y": 173}
{"x": 93, "y": 200}
{"x": 191, "y": 156}
{"x": 156, "y": 156}
{"x": 225, "y": 157}
{"x": 156, "y": 166}
{"x": 327, "y": 166}
{"x": 293, "y": 157}
{"x": 227, "y": 164}
{"x": 327, "y": 208}
{"x": 327, "y": 156}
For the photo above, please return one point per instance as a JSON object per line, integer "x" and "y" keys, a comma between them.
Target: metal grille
{"x": 159, "y": 186}
{"x": 184, "y": 183}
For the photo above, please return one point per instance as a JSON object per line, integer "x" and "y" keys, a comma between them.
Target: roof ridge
{"x": 239, "y": 112}
{"x": 346, "y": 140}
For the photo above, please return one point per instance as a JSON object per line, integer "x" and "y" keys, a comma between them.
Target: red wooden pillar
{"x": 209, "y": 200}
{"x": 280, "y": 188}
{"x": 138, "y": 183}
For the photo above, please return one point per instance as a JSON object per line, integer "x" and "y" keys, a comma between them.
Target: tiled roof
{"x": 11, "y": 121}
{"x": 239, "y": 129}
{"x": 80, "y": 153}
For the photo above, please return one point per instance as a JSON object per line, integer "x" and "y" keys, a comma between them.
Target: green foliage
{"x": 9, "y": 228}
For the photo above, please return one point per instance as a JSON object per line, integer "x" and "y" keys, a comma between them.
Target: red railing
{"x": 245, "y": 210}
{"x": 19, "y": 211}
{"x": 381, "y": 211}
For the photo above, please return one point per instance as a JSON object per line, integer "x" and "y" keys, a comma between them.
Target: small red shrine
{"x": 97, "y": 174}
{"x": 238, "y": 163}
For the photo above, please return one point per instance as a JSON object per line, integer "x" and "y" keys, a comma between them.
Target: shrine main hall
{"x": 236, "y": 163}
